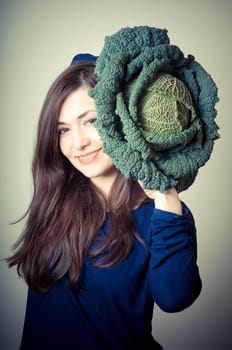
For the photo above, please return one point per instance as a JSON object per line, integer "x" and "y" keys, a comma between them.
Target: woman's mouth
{"x": 88, "y": 157}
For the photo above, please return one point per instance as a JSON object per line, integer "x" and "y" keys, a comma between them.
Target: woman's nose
{"x": 80, "y": 139}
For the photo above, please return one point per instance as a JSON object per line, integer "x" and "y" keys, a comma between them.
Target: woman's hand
{"x": 168, "y": 201}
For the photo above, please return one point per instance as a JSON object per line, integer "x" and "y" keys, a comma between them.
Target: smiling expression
{"x": 79, "y": 140}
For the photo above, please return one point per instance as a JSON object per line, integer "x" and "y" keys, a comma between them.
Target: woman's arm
{"x": 174, "y": 276}
{"x": 168, "y": 201}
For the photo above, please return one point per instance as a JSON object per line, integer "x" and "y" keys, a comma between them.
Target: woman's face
{"x": 79, "y": 139}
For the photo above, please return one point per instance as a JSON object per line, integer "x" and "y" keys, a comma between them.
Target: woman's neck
{"x": 104, "y": 183}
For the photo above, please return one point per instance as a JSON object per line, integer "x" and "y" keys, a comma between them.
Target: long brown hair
{"x": 66, "y": 210}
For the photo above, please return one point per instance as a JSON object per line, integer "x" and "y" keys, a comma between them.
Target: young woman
{"x": 97, "y": 250}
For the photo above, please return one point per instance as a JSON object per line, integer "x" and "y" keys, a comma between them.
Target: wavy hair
{"x": 67, "y": 210}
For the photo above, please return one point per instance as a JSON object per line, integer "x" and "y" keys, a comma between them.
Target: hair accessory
{"x": 84, "y": 57}
{"x": 156, "y": 108}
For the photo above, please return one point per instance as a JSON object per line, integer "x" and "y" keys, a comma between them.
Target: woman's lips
{"x": 88, "y": 157}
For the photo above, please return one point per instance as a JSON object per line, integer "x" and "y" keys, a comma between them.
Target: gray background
{"x": 38, "y": 40}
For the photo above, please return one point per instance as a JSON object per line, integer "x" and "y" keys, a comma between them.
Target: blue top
{"x": 114, "y": 309}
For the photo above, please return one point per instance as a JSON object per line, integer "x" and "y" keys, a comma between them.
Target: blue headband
{"x": 84, "y": 57}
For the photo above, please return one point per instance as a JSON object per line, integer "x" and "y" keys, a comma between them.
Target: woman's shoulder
{"x": 142, "y": 217}
{"x": 144, "y": 206}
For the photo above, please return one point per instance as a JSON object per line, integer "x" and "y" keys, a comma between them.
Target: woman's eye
{"x": 62, "y": 131}
{"x": 91, "y": 121}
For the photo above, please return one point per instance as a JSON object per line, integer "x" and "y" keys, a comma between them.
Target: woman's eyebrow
{"x": 82, "y": 115}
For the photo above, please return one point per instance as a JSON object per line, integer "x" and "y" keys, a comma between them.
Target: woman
{"x": 97, "y": 250}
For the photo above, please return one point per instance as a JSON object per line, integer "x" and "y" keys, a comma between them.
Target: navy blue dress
{"x": 114, "y": 308}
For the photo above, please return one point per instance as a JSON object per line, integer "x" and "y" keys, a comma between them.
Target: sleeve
{"x": 174, "y": 278}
